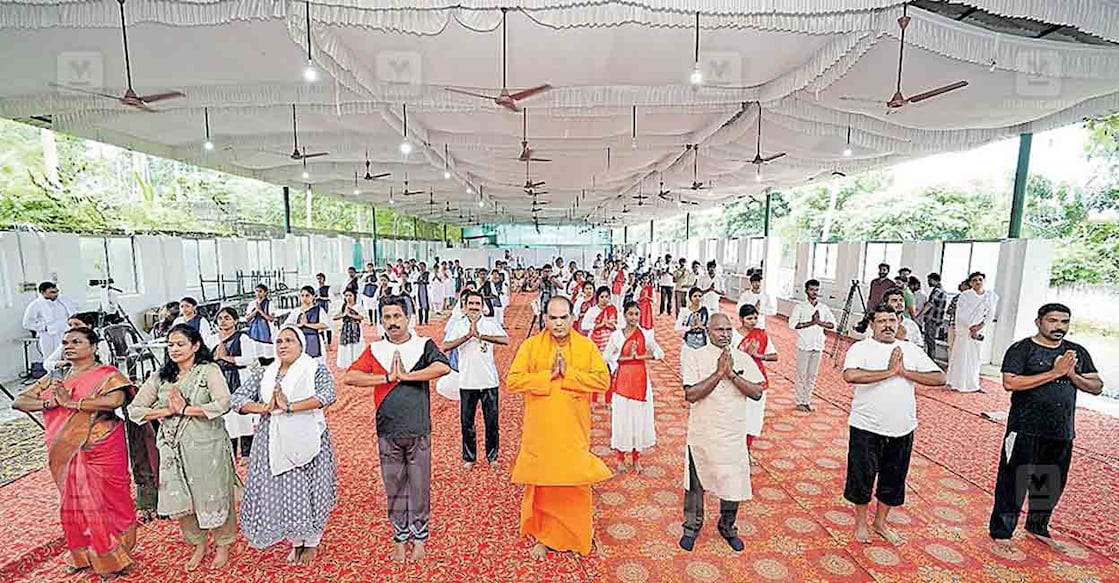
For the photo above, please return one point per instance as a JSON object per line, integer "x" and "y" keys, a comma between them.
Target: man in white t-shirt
{"x": 883, "y": 417}
{"x": 809, "y": 318}
{"x": 713, "y": 286}
{"x": 754, "y": 296}
{"x": 475, "y": 337}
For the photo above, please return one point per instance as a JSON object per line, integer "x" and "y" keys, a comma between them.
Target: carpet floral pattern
{"x": 797, "y": 527}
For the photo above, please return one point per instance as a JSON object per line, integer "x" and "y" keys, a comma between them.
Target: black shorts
{"x": 870, "y": 455}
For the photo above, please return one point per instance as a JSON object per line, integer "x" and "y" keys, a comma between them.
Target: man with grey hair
{"x": 718, "y": 381}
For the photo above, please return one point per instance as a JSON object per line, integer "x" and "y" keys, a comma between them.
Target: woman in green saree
{"x": 197, "y": 480}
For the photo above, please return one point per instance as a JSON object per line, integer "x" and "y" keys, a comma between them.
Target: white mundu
{"x": 717, "y": 424}
{"x": 965, "y": 360}
{"x": 48, "y": 319}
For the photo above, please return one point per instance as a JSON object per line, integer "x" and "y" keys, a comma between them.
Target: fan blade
{"x": 865, "y": 100}
{"x": 538, "y": 160}
{"x": 470, "y": 93}
{"x": 369, "y": 176}
{"x": 526, "y": 93}
{"x": 86, "y": 91}
{"x": 773, "y": 157}
{"x": 315, "y": 155}
{"x": 161, "y": 96}
{"x": 938, "y": 91}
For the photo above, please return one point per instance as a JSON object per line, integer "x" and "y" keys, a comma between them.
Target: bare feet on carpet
{"x": 468, "y": 465}
{"x": 418, "y": 551}
{"x": 196, "y": 557}
{"x": 398, "y": 552}
{"x": 862, "y": 534}
{"x": 1056, "y": 545}
{"x": 888, "y": 533}
{"x": 307, "y": 556}
{"x": 637, "y": 467}
{"x": 293, "y": 555}
{"x": 493, "y": 465}
{"x": 622, "y": 468}
{"x": 538, "y": 552}
{"x": 221, "y": 557}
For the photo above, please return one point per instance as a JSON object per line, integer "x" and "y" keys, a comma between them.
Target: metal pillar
{"x": 373, "y": 208}
{"x": 416, "y": 228}
{"x": 650, "y": 230}
{"x": 1021, "y": 175}
{"x": 687, "y": 226}
{"x": 287, "y": 210}
{"x": 768, "y": 212}
{"x": 625, "y": 235}
{"x": 444, "y": 234}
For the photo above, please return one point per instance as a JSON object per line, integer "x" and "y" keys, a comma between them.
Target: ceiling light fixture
{"x": 391, "y": 200}
{"x": 847, "y": 150}
{"x": 633, "y": 138}
{"x": 310, "y": 73}
{"x": 758, "y": 175}
{"x": 357, "y": 190}
{"x": 446, "y": 163}
{"x": 207, "y": 145}
{"x": 305, "y": 174}
{"x": 696, "y": 78}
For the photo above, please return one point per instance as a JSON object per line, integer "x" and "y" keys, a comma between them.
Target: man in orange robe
{"x": 557, "y": 372}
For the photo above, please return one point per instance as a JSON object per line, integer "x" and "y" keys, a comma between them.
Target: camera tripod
{"x": 855, "y": 293}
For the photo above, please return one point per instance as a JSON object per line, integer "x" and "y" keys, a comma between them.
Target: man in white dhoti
{"x": 718, "y": 381}
{"x": 975, "y": 310}
{"x": 47, "y": 317}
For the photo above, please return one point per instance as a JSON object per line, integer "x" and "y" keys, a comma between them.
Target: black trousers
{"x": 1034, "y": 466}
{"x": 693, "y": 508}
{"x": 929, "y": 331}
{"x": 246, "y": 445}
{"x": 869, "y": 455}
{"x": 468, "y": 408}
{"x": 424, "y": 314}
{"x": 667, "y": 299}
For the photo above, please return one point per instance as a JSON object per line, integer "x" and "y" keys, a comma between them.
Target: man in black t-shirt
{"x": 1043, "y": 374}
{"x": 400, "y": 368}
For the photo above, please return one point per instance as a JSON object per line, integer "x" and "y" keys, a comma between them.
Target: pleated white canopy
{"x": 621, "y": 117}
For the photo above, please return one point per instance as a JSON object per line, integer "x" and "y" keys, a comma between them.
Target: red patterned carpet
{"x": 797, "y": 528}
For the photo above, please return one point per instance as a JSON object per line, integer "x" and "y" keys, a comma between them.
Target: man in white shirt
{"x": 754, "y": 296}
{"x": 975, "y": 311}
{"x": 809, "y": 318}
{"x": 666, "y": 283}
{"x": 883, "y": 417}
{"x": 47, "y": 317}
{"x": 907, "y": 329}
{"x": 475, "y": 337}
{"x": 713, "y": 286}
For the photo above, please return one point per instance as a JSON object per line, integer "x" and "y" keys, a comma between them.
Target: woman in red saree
{"x": 599, "y": 323}
{"x": 645, "y": 303}
{"x": 87, "y": 455}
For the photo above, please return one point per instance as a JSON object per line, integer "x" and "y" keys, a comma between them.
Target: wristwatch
{"x": 47, "y": 404}
{"x": 287, "y": 409}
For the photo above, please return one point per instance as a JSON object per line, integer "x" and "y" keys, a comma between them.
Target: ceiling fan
{"x": 663, "y": 192}
{"x": 898, "y": 99}
{"x": 298, "y": 153}
{"x": 371, "y": 176}
{"x": 407, "y": 192}
{"x": 527, "y": 152}
{"x": 130, "y": 98}
{"x": 505, "y": 98}
{"x": 696, "y": 184}
{"x": 758, "y": 158}
{"x": 529, "y": 185}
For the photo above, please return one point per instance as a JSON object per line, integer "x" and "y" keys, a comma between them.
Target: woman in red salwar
{"x": 599, "y": 323}
{"x": 645, "y": 302}
{"x": 87, "y": 454}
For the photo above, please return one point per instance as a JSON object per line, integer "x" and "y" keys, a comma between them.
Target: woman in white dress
{"x": 235, "y": 354}
{"x": 633, "y": 428}
{"x": 436, "y": 291}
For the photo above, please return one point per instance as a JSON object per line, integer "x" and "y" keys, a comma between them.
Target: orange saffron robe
{"x": 555, "y": 462}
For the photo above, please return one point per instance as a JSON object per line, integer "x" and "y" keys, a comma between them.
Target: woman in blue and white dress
{"x": 235, "y": 354}
{"x": 350, "y": 344}
{"x": 261, "y": 322}
{"x": 292, "y": 484}
{"x": 311, "y": 319}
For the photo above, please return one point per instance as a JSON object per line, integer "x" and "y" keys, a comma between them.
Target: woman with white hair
{"x": 292, "y": 484}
